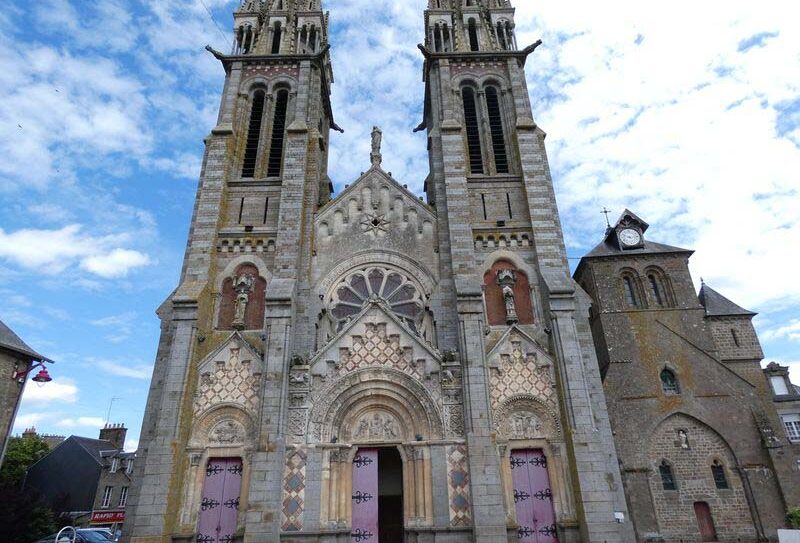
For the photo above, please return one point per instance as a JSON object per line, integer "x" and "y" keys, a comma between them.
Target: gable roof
{"x": 11, "y": 341}
{"x": 95, "y": 447}
{"x": 718, "y": 305}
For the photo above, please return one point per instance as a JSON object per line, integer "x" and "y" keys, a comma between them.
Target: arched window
{"x": 631, "y": 291}
{"x": 312, "y": 39}
{"x": 253, "y": 134}
{"x": 501, "y": 36}
{"x": 472, "y": 29}
{"x": 656, "y": 289}
{"x": 242, "y": 302}
{"x": 718, "y": 471}
{"x": 437, "y": 38}
{"x": 669, "y": 382}
{"x": 496, "y": 128}
{"x": 500, "y": 282}
{"x": 276, "y": 38}
{"x": 278, "y": 128}
{"x": 473, "y": 130}
{"x": 667, "y": 477}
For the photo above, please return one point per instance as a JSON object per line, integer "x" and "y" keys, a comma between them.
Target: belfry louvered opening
{"x": 253, "y": 134}
{"x": 473, "y": 133}
{"x": 496, "y": 127}
{"x": 278, "y": 128}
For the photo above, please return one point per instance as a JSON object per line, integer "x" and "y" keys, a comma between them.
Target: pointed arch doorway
{"x": 378, "y": 496}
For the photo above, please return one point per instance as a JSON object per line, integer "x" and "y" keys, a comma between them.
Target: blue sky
{"x": 693, "y": 121}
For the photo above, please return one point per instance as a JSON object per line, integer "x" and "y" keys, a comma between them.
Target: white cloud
{"x": 790, "y": 331}
{"x": 82, "y": 422}
{"x": 50, "y": 252}
{"x": 123, "y": 369}
{"x": 131, "y": 445}
{"x": 29, "y": 420}
{"x": 59, "y": 391}
{"x": 115, "y": 264}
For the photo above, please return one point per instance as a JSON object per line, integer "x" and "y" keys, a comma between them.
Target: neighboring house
{"x": 86, "y": 479}
{"x": 15, "y": 358}
{"x": 51, "y": 440}
{"x": 787, "y": 403}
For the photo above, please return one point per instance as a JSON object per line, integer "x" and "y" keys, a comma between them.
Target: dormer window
{"x": 779, "y": 386}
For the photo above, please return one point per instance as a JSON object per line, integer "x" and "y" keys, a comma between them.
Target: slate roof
{"x": 95, "y": 447}
{"x": 718, "y": 305}
{"x": 608, "y": 248}
{"x": 11, "y": 341}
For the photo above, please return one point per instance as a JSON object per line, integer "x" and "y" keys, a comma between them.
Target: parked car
{"x": 105, "y": 532}
{"x": 83, "y": 536}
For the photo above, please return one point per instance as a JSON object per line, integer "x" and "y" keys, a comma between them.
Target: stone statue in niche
{"x": 506, "y": 279}
{"x": 243, "y": 286}
{"x": 683, "y": 439}
{"x": 227, "y": 432}
{"x": 525, "y": 425}
{"x": 377, "y": 428}
{"x": 377, "y": 138}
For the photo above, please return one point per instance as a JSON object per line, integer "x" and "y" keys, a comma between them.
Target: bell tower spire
{"x": 491, "y": 185}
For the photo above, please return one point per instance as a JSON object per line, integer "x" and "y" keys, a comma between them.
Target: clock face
{"x": 630, "y": 237}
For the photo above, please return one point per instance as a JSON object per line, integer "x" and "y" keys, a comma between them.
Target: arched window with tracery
{"x": 401, "y": 295}
{"x": 243, "y": 298}
{"x": 507, "y": 292}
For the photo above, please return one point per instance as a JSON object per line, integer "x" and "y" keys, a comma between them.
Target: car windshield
{"x": 93, "y": 537}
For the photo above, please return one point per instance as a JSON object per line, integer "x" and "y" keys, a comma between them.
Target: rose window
{"x": 399, "y": 294}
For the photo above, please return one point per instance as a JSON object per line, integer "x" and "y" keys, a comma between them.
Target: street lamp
{"x": 40, "y": 378}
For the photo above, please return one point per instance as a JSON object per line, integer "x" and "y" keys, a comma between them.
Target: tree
{"x": 793, "y": 518}
{"x": 21, "y": 454}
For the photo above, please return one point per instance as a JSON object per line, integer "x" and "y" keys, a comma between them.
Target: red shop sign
{"x": 107, "y": 517}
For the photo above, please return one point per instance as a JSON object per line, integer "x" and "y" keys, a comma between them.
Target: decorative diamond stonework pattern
{"x": 458, "y": 477}
{"x": 376, "y": 348}
{"x": 230, "y": 382}
{"x": 520, "y": 371}
{"x": 294, "y": 490}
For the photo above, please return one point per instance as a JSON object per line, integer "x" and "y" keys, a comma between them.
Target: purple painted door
{"x": 533, "y": 498}
{"x": 219, "y": 508}
{"x": 365, "y": 496}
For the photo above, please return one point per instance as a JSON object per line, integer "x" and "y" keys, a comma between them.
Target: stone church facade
{"x": 379, "y": 367}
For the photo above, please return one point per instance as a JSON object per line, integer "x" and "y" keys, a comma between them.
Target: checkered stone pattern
{"x": 294, "y": 490}
{"x": 458, "y": 477}
{"x": 522, "y": 372}
{"x": 231, "y": 382}
{"x": 377, "y": 348}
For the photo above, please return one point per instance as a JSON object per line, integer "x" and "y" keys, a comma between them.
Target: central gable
{"x": 375, "y": 213}
{"x": 376, "y": 338}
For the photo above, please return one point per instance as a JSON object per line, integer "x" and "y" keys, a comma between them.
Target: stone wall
{"x": 10, "y": 392}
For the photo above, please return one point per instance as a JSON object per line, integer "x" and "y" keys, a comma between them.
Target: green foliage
{"x": 24, "y": 516}
{"x": 793, "y": 517}
{"x": 22, "y": 453}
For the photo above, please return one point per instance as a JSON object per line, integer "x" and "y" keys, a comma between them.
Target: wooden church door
{"x": 705, "y": 522}
{"x": 365, "y": 497}
{"x": 533, "y": 497}
{"x": 219, "y": 510}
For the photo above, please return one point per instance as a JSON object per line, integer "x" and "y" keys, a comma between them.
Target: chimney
{"x": 29, "y": 433}
{"x": 115, "y": 433}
